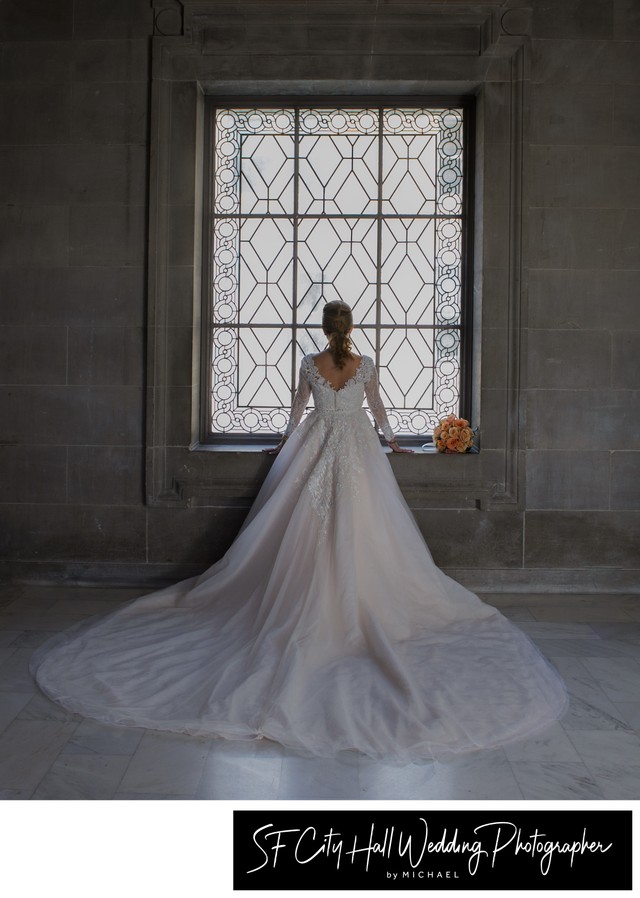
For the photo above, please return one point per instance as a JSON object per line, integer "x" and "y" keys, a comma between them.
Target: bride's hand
{"x": 275, "y": 449}
{"x": 393, "y": 445}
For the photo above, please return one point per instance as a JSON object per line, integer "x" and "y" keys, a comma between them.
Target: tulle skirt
{"x": 326, "y": 627}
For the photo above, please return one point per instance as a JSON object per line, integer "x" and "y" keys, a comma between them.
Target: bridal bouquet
{"x": 453, "y": 435}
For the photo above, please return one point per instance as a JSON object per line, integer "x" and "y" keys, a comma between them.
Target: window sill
{"x": 234, "y": 448}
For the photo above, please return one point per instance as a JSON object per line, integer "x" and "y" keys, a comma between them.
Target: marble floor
{"x": 594, "y": 753}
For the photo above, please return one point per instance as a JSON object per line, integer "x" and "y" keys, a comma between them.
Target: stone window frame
{"x": 180, "y": 469}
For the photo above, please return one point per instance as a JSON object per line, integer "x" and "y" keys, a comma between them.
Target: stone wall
{"x": 74, "y": 88}
{"x": 76, "y": 92}
{"x": 581, "y": 375}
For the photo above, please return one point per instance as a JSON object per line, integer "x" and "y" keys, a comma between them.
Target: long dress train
{"x": 326, "y": 626}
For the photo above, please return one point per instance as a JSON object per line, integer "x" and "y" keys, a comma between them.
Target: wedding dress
{"x": 325, "y": 627}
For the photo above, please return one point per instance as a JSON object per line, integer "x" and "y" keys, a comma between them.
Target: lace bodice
{"x": 348, "y": 398}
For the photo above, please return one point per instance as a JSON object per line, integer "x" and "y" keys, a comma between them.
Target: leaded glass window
{"x": 363, "y": 203}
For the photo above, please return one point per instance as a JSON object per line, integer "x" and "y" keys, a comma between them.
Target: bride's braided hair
{"x": 337, "y": 321}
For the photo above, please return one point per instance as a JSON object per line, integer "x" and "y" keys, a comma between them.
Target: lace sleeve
{"x": 300, "y": 400}
{"x": 372, "y": 392}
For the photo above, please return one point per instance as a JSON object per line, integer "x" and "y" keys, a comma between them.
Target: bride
{"x": 326, "y": 626}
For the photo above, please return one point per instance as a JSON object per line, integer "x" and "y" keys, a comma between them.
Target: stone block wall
{"x": 74, "y": 94}
{"x": 75, "y": 100}
{"x": 581, "y": 377}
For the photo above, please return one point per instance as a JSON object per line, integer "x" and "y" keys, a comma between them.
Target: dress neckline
{"x": 326, "y": 383}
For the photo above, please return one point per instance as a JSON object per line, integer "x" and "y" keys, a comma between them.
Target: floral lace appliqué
{"x": 339, "y": 467}
{"x": 340, "y": 427}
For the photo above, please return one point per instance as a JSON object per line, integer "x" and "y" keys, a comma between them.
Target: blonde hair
{"x": 337, "y": 321}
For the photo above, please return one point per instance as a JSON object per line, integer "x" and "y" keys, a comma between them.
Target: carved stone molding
{"x": 168, "y": 18}
{"x": 516, "y": 22}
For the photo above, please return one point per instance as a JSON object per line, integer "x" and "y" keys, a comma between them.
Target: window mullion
{"x": 294, "y": 285}
{"x": 379, "y": 239}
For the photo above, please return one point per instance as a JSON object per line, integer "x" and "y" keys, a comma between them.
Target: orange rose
{"x": 452, "y": 443}
{"x": 466, "y": 433}
{"x": 436, "y": 431}
{"x": 461, "y": 447}
{"x": 454, "y": 431}
{"x": 440, "y": 445}
{"x": 451, "y": 419}
{"x": 461, "y": 422}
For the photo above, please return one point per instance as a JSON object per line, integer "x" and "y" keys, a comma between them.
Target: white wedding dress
{"x": 326, "y": 626}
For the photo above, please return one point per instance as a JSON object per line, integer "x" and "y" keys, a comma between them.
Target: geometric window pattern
{"x": 314, "y": 204}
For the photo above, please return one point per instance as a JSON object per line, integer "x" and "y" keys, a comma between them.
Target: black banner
{"x": 423, "y": 849}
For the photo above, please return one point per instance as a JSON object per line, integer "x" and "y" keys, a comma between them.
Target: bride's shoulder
{"x": 308, "y": 364}
{"x": 367, "y": 367}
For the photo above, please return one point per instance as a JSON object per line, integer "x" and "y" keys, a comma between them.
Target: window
{"x": 349, "y": 200}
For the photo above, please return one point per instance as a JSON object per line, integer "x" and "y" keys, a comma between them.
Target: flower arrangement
{"x": 453, "y": 435}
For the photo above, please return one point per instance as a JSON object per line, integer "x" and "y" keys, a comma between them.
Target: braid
{"x": 337, "y": 321}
